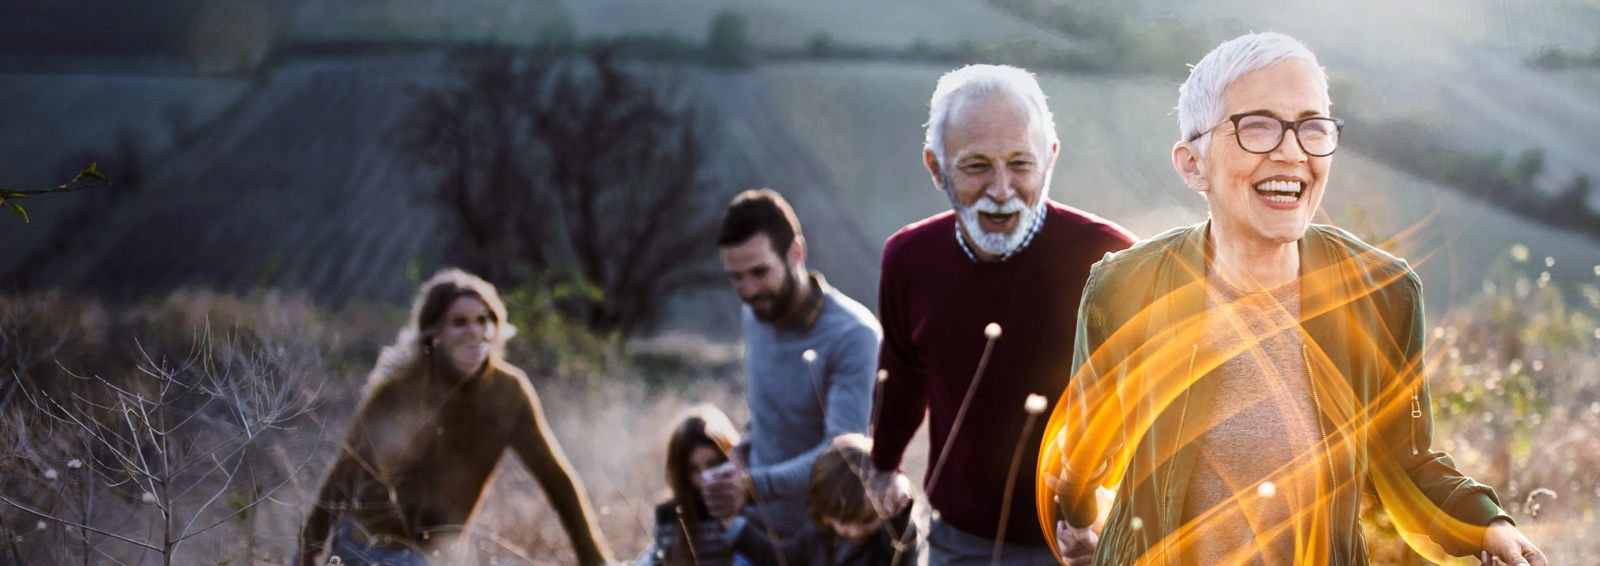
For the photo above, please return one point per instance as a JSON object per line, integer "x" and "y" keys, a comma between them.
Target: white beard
{"x": 997, "y": 243}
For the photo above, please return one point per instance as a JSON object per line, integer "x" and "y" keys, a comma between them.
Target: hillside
{"x": 296, "y": 183}
{"x": 288, "y": 178}
{"x": 295, "y": 187}
{"x": 880, "y": 23}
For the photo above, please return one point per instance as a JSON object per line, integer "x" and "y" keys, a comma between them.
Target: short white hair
{"x": 1200, "y": 99}
{"x": 976, "y": 80}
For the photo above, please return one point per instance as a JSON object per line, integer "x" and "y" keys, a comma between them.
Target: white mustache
{"x": 988, "y": 205}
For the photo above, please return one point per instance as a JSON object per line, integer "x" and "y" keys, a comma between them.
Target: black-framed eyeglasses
{"x": 1318, "y": 136}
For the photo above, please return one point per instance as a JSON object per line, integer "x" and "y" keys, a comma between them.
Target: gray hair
{"x": 976, "y": 80}
{"x": 1200, "y": 99}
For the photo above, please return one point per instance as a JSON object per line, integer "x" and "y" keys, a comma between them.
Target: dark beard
{"x": 783, "y": 301}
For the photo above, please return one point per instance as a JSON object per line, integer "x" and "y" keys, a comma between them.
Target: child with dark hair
{"x": 845, "y": 528}
{"x": 685, "y": 533}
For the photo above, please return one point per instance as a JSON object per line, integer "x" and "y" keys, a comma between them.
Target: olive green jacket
{"x": 1141, "y": 387}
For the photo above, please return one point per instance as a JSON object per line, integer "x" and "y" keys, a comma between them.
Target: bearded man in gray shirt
{"x": 810, "y": 356}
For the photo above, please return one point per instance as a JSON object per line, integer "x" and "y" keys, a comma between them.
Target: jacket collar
{"x": 1322, "y": 275}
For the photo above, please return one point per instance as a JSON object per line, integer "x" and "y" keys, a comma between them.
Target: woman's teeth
{"x": 1279, "y": 191}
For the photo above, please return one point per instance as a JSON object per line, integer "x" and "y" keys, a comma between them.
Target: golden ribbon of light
{"x": 1146, "y": 366}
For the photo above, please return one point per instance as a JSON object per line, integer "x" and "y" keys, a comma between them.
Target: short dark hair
{"x": 759, "y": 211}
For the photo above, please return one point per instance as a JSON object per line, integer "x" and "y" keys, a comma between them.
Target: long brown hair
{"x": 702, "y": 425}
{"x": 411, "y": 348}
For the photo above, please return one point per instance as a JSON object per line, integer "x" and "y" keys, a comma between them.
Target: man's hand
{"x": 1504, "y": 542}
{"x": 724, "y": 490}
{"x": 889, "y": 491}
{"x": 1075, "y": 545}
{"x": 741, "y": 452}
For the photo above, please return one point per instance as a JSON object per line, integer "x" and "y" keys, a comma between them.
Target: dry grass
{"x": 613, "y": 427}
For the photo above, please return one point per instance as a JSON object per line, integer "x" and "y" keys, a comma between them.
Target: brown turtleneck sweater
{"x": 421, "y": 450}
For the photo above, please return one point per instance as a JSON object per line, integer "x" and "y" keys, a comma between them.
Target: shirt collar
{"x": 806, "y": 313}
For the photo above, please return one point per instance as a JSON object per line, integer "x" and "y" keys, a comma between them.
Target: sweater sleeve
{"x": 319, "y": 521}
{"x": 355, "y": 459}
{"x": 902, "y": 398}
{"x": 544, "y": 459}
{"x": 847, "y": 374}
{"x": 1079, "y": 458}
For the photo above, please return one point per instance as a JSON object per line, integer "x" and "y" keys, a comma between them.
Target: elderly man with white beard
{"x": 1006, "y": 259}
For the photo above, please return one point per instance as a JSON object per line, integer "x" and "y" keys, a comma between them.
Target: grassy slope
{"x": 297, "y": 188}
{"x": 883, "y": 23}
{"x": 506, "y": 20}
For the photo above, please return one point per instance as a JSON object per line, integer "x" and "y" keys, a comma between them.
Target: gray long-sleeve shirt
{"x": 797, "y": 408}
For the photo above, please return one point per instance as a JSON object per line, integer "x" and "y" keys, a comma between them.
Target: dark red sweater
{"x": 934, "y": 302}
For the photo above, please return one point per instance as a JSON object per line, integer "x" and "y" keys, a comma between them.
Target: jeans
{"x": 352, "y": 553}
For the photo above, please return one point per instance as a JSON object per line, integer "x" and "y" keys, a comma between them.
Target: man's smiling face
{"x": 996, "y": 170}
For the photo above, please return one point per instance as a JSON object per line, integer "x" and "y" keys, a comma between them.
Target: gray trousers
{"x": 949, "y": 546}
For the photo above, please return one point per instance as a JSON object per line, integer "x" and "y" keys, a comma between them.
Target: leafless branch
{"x": 55, "y": 519}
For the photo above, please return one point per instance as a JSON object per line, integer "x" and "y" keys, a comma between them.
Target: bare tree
{"x": 176, "y": 449}
{"x": 573, "y": 170}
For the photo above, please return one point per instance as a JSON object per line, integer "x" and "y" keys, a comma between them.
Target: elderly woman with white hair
{"x": 442, "y": 406}
{"x": 1243, "y": 381}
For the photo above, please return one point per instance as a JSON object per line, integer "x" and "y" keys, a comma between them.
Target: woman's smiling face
{"x": 465, "y": 333}
{"x": 1267, "y": 198}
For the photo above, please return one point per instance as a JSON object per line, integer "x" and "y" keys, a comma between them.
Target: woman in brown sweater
{"x": 442, "y": 406}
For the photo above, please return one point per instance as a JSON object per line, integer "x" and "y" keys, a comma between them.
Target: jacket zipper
{"x": 1416, "y": 413}
{"x": 1333, "y": 474}
{"x": 1177, "y": 443}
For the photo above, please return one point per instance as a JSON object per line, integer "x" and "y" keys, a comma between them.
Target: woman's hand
{"x": 1503, "y": 541}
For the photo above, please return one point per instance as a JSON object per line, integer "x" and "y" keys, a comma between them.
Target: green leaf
{"x": 17, "y": 208}
{"x": 91, "y": 171}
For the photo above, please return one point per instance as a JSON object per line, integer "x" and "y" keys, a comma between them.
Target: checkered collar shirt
{"x": 1033, "y": 230}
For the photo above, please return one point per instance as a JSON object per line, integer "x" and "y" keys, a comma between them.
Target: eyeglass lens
{"x": 1262, "y": 134}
